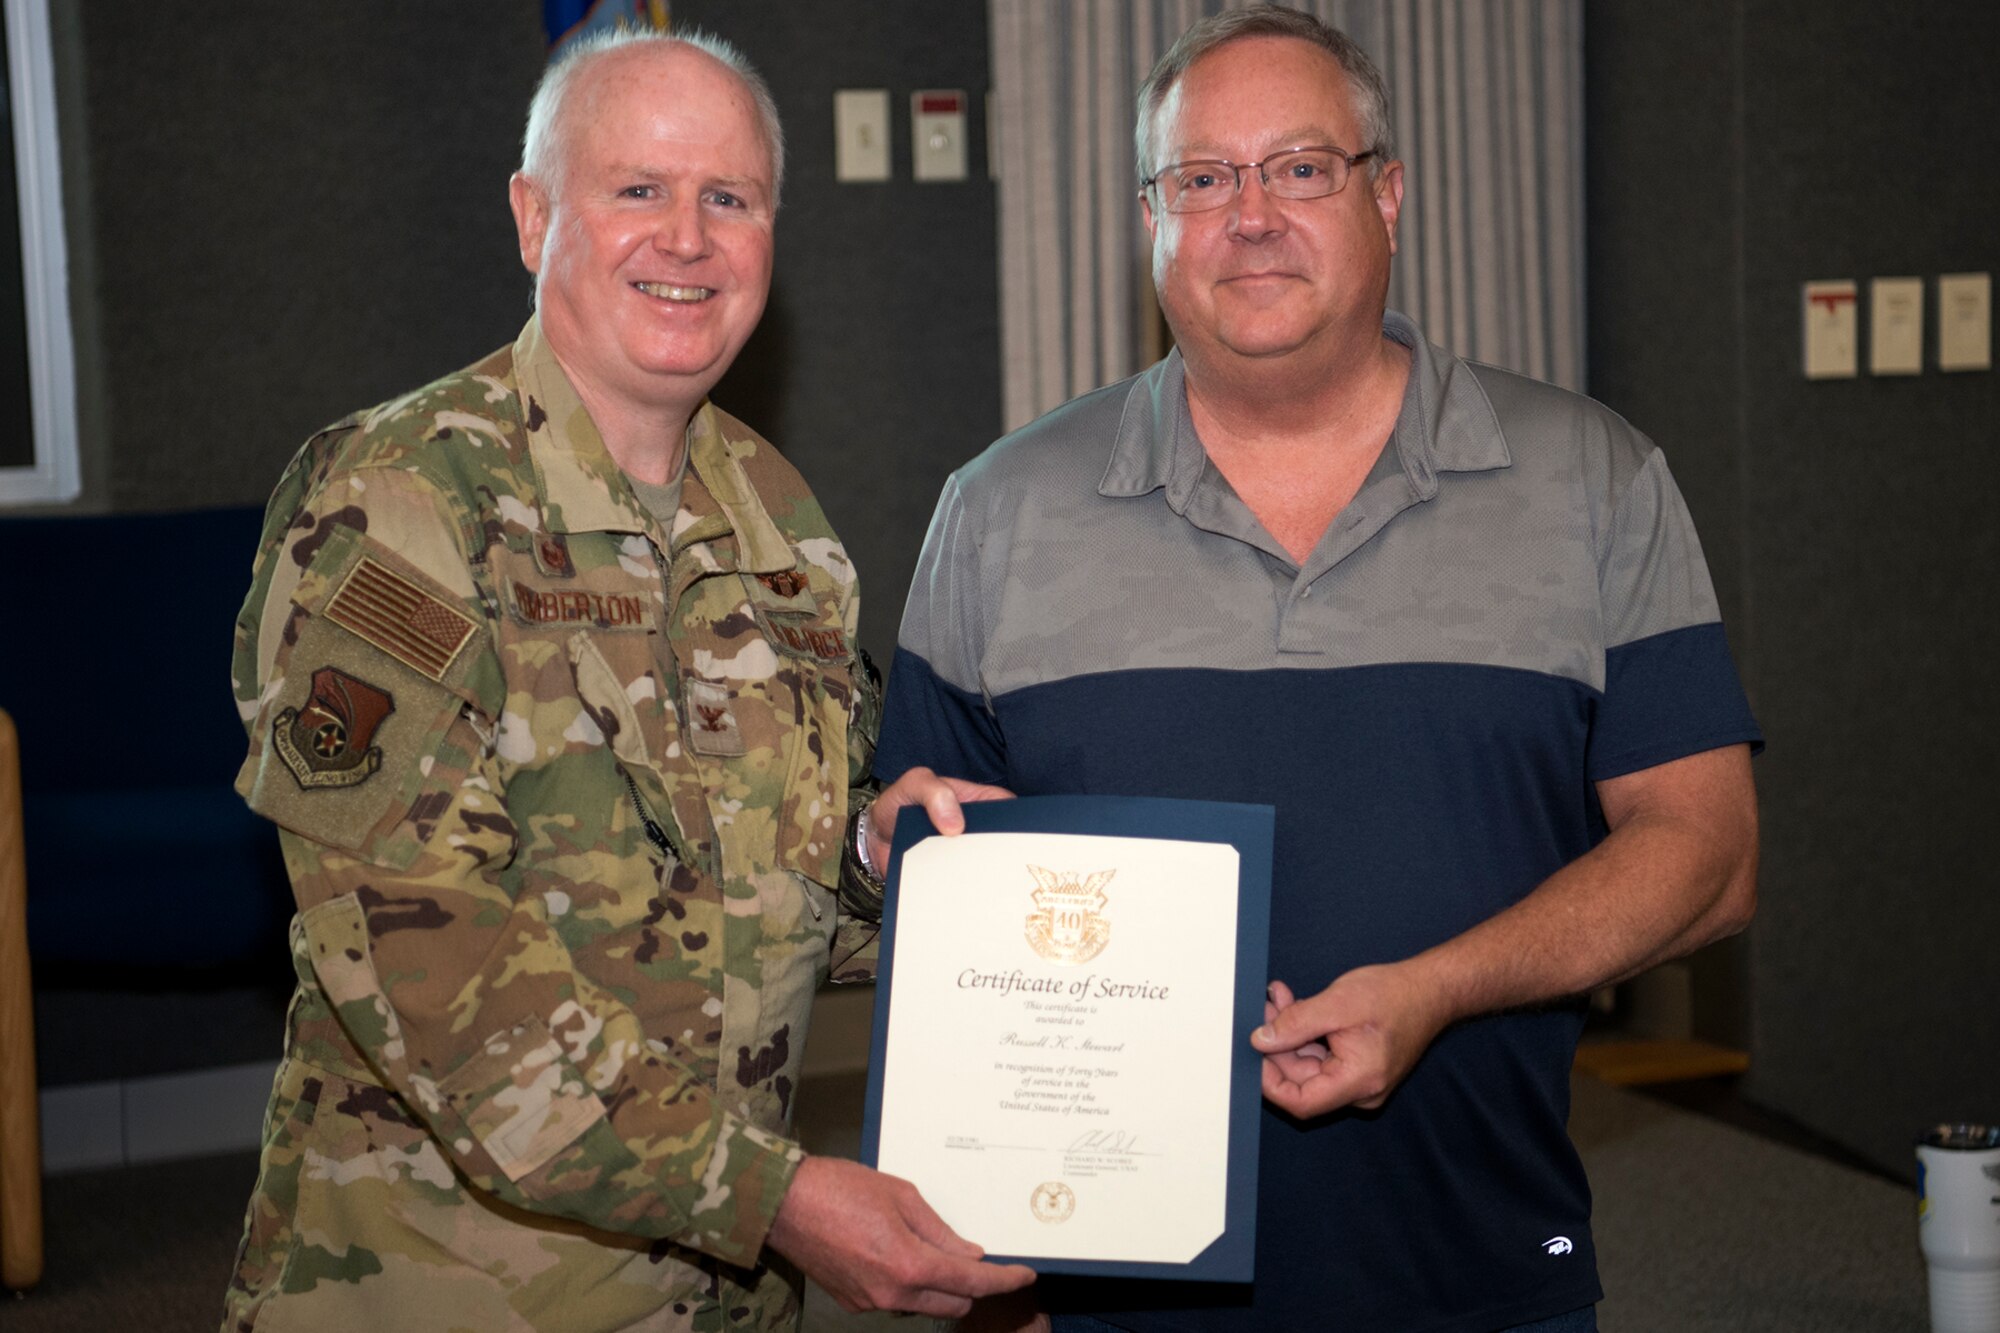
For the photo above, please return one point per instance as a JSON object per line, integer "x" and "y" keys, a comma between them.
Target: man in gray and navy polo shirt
{"x": 1452, "y": 623}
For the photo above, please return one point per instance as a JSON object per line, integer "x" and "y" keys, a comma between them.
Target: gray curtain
{"x": 1487, "y": 101}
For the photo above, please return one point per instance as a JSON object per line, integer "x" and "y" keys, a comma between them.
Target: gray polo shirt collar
{"x": 1446, "y": 425}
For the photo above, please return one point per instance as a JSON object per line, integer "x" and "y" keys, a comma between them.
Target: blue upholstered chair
{"x": 141, "y": 860}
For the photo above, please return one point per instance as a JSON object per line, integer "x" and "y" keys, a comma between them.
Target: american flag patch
{"x": 412, "y": 626}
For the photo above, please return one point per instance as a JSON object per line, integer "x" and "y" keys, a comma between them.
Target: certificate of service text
{"x": 1062, "y": 1039}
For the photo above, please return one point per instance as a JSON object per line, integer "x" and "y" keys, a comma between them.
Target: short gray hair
{"x": 541, "y": 146}
{"x": 1371, "y": 95}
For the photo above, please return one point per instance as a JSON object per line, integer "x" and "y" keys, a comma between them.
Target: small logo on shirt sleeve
{"x": 1557, "y": 1245}
{"x": 327, "y": 742}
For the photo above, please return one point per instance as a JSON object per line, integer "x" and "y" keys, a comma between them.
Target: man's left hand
{"x": 940, "y": 797}
{"x": 1349, "y": 1045}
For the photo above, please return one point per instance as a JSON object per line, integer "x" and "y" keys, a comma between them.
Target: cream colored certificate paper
{"x": 1056, "y": 1073}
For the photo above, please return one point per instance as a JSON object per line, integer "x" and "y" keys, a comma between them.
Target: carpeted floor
{"x": 1700, "y": 1226}
{"x": 1703, "y": 1226}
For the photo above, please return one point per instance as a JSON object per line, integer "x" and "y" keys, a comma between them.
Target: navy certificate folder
{"x": 1247, "y": 828}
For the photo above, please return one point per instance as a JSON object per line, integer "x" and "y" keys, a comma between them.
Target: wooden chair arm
{"x": 20, "y": 1123}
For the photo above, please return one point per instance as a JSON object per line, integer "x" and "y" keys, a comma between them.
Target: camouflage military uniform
{"x": 562, "y": 797}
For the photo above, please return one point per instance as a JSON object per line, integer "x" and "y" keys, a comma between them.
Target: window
{"x": 38, "y": 453}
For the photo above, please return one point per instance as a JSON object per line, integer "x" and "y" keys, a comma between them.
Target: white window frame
{"x": 55, "y": 475}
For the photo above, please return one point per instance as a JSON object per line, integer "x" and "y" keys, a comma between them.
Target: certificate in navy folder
{"x": 1061, "y": 1059}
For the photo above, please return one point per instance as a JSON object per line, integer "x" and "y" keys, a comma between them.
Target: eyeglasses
{"x": 1293, "y": 173}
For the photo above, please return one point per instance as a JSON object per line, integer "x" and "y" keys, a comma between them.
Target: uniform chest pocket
{"x": 765, "y": 691}
{"x": 801, "y": 619}
{"x": 581, "y": 651}
{"x": 813, "y": 821}
{"x": 772, "y": 751}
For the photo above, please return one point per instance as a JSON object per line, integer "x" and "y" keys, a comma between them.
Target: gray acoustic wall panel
{"x": 1663, "y": 203}
{"x": 877, "y": 367}
{"x": 276, "y": 223}
{"x": 284, "y": 215}
{"x": 1847, "y": 519}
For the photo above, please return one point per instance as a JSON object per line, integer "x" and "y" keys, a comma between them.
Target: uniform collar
{"x": 1446, "y": 425}
{"x": 581, "y": 486}
{"x": 584, "y": 490}
{"x": 716, "y": 460}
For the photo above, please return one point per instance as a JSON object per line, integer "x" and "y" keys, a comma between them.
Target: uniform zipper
{"x": 655, "y": 833}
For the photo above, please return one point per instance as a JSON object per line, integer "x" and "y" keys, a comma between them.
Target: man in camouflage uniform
{"x": 550, "y": 678}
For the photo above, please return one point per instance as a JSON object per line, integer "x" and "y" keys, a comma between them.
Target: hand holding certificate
{"x": 1061, "y": 1063}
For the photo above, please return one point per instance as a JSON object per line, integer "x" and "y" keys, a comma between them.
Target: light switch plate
{"x": 1830, "y": 322}
{"x": 1896, "y": 326}
{"x": 861, "y": 134}
{"x": 937, "y": 135}
{"x": 1965, "y": 321}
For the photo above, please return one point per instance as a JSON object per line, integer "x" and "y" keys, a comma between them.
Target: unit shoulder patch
{"x": 327, "y": 742}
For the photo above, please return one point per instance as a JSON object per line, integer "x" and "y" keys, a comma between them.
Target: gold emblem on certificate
{"x": 1069, "y": 925}
{"x": 1052, "y": 1202}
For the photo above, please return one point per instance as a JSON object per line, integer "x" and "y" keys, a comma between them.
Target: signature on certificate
{"x": 1105, "y": 1140}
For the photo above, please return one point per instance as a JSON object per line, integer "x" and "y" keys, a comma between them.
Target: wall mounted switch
{"x": 1830, "y": 320}
{"x": 861, "y": 134}
{"x": 937, "y": 135}
{"x": 1896, "y": 326}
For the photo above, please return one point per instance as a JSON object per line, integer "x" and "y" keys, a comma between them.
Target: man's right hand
{"x": 874, "y": 1244}
{"x": 1352, "y": 1043}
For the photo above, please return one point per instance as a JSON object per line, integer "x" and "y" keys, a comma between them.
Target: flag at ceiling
{"x": 566, "y": 20}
